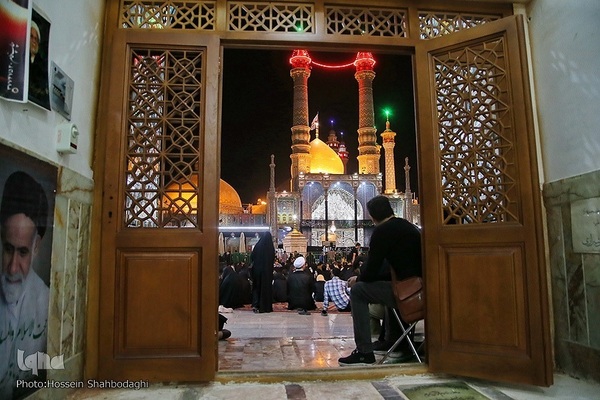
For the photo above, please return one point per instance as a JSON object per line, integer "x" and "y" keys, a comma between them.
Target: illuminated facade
{"x": 326, "y": 204}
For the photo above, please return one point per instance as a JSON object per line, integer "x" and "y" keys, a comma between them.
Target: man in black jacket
{"x": 395, "y": 243}
{"x": 300, "y": 287}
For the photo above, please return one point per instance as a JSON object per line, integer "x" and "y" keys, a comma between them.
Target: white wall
{"x": 565, "y": 46}
{"x": 565, "y": 43}
{"x": 75, "y": 46}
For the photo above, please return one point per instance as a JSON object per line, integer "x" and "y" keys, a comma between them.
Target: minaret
{"x": 408, "y": 209}
{"x": 368, "y": 150}
{"x": 272, "y": 202}
{"x": 300, "y": 156}
{"x": 332, "y": 141}
{"x": 390, "y": 170}
{"x": 343, "y": 153}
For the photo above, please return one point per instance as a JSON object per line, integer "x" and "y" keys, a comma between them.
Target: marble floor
{"x": 284, "y": 355}
{"x": 285, "y": 341}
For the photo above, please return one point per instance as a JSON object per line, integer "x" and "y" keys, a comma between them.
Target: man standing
{"x": 354, "y": 253}
{"x": 23, "y": 294}
{"x": 395, "y": 243}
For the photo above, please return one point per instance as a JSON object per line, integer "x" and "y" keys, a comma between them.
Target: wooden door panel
{"x": 148, "y": 327}
{"x": 498, "y": 308}
{"x": 482, "y": 223}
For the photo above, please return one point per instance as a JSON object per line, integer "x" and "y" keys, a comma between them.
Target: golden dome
{"x": 183, "y": 197}
{"x": 324, "y": 160}
{"x": 258, "y": 208}
{"x": 229, "y": 200}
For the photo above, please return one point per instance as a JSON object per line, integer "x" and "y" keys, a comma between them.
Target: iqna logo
{"x": 37, "y": 361}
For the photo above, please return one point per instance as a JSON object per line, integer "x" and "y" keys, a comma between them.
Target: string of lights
{"x": 333, "y": 66}
{"x": 301, "y": 59}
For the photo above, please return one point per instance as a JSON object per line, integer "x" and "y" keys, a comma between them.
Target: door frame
{"x": 319, "y": 41}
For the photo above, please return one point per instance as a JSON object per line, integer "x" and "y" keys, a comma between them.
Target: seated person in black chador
{"x": 348, "y": 271}
{"x": 319, "y": 290}
{"x": 300, "y": 286}
{"x": 279, "y": 286}
{"x": 325, "y": 270}
{"x": 230, "y": 287}
{"x": 243, "y": 272}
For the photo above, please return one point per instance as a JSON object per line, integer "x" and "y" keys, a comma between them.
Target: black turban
{"x": 24, "y": 195}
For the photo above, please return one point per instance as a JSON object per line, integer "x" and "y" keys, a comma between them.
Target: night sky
{"x": 257, "y": 113}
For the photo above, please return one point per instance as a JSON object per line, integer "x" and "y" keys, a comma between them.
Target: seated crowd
{"x": 362, "y": 286}
{"x": 295, "y": 282}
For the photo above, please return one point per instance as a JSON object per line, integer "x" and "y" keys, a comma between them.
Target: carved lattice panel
{"x": 476, "y": 135}
{"x": 266, "y": 16}
{"x": 433, "y": 24}
{"x": 384, "y": 22}
{"x": 163, "y": 138}
{"x": 168, "y": 14}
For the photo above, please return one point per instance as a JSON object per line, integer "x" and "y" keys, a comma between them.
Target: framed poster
{"x": 39, "y": 40}
{"x": 14, "y": 44}
{"x": 27, "y": 197}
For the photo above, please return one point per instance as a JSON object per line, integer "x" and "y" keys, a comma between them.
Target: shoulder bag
{"x": 410, "y": 298}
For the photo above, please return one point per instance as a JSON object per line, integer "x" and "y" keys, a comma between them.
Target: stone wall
{"x": 68, "y": 283}
{"x": 575, "y": 273}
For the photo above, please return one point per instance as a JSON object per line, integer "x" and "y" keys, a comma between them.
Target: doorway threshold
{"x": 322, "y": 374}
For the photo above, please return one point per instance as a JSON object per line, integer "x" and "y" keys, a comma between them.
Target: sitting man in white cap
{"x": 300, "y": 286}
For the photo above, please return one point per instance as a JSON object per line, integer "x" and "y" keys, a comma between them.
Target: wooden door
{"x": 487, "y": 306}
{"x": 158, "y": 296}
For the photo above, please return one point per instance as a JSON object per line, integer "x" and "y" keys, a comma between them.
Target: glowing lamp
{"x": 364, "y": 61}
{"x": 300, "y": 59}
